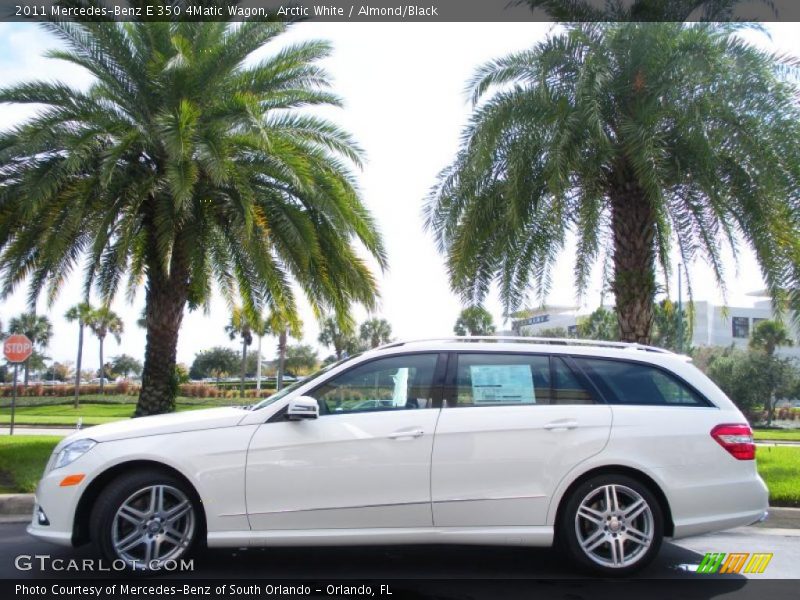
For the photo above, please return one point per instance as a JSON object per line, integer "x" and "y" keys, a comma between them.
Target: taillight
{"x": 736, "y": 439}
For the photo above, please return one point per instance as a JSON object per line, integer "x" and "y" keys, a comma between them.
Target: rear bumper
{"x": 728, "y": 505}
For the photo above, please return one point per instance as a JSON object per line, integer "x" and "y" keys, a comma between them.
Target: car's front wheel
{"x": 612, "y": 525}
{"x": 145, "y": 519}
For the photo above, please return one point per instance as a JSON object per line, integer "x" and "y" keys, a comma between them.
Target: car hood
{"x": 190, "y": 420}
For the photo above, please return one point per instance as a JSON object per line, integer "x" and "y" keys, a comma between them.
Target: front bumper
{"x": 59, "y": 503}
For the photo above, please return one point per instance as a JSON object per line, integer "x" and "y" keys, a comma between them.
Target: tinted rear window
{"x": 623, "y": 382}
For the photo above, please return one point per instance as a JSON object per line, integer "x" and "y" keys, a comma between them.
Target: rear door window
{"x": 494, "y": 379}
{"x": 623, "y": 382}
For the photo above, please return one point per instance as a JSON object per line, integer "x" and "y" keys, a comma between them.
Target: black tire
{"x": 616, "y": 532}
{"x": 136, "y": 489}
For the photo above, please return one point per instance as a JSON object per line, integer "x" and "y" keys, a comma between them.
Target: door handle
{"x": 563, "y": 424}
{"x": 406, "y": 433}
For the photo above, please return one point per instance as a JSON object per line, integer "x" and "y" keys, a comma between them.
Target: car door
{"x": 363, "y": 463}
{"x": 513, "y": 425}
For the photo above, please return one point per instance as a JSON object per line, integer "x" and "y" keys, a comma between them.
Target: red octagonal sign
{"x": 17, "y": 348}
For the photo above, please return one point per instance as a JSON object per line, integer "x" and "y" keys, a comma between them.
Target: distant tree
{"x": 103, "y": 321}
{"x": 39, "y": 331}
{"x": 474, "y": 320}
{"x": 216, "y": 362}
{"x": 752, "y": 380}
{"x": 242, "y": 325}
{"x": 38, "y": 362}
{"x": 58, "y": 371}
{"x": 181, "y": 373}
{"x": 107, "y": 372}
{"x": 552, "y": 332}
{"x": 599, "y": 325}
{"x": 768, "y": 336}
{"x": 668, "y": 321}
{"x": 281, "y": 324}
{"x": 375, "y": 332}
{"x": 341, "y": 339}
{"x": 300, "y": 359}
{"x": 124, "y": 365}
{"x": 80, "y": 313}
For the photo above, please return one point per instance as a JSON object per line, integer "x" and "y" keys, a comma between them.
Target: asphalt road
{"x": 675, "y": 560}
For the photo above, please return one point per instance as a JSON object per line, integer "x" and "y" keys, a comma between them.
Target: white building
{"x": 714, "y": 325}
{"x": 725, "y": 325}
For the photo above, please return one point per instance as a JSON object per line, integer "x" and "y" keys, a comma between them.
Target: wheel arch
{"x": 80, "y": 528}
{"x": 638, "y": 475}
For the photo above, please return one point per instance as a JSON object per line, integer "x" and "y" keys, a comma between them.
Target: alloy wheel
{"x": 153, "y": 525}
{"x": 614, "y": 525}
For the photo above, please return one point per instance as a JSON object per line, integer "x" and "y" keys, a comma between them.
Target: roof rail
{"x": 533, "y": 340}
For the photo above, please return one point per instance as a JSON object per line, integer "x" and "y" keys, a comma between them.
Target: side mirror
{"x": 302, "y": 407}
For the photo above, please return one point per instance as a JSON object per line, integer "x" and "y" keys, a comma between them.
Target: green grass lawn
{"x": 780, "y": 468}
{"x": 792, "y": 435}
{"x": 22, "y": 461}
{"x": 94, "y": 413}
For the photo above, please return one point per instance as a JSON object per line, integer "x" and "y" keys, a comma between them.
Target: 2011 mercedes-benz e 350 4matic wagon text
{"x": 602, "y": 448}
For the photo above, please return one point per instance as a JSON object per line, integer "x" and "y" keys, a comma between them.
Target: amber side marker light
{"x": 72, "y": 480}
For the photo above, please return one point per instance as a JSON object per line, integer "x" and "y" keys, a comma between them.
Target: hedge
{"x": 124, "y": 388}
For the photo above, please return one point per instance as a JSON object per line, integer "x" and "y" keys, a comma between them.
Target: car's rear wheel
{"x": 612, "y": 525}
{"x": 146, "y": 520}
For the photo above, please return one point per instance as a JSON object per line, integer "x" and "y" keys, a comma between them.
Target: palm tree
{"x": 340, "y": 336}
{"x": 634, "y": 137}
{"x": 640, "y": 10}
{"x": 282, "y": 324}
{"x": 769, "y": 335}
{"x": 474, "y": 320}
{"x": 184, "y": 165}
{"x": 38, "y": 329}
{"x": 103, "y": 321}
{"x": 80, "y": 313}
{"x": 240, "y": 325}
{"x": 375, "y": 332}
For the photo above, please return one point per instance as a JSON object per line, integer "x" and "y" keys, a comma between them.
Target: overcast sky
{"x": 404, "y": 102}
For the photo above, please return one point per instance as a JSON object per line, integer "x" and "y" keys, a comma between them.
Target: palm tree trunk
{"x": 78, "y": 363}
{"x": 102, "y": 370}
{"x": 770, "y": 409}
{"x": 281, "y": 359}
{"x": 244, "y": 367}
{"x": 634, "y": 285}
{"x": 27, "y": 368}
{"x": 165, "y": 300}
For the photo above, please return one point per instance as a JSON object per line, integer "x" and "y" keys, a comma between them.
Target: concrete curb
{"x": 16, "y": 504}
{"x": 18, "y": 507}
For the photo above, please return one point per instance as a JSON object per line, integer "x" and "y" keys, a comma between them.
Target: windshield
{"x": 289, "y": 389}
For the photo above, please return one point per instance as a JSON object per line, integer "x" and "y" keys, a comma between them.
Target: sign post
{"x": 17, "y": 348}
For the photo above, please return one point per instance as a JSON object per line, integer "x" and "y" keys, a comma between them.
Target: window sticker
{"x": 399, "y": 395}
{"x": 502, "y": 384}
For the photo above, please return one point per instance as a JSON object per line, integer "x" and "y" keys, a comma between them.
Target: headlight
{"x": 72, "y": 452}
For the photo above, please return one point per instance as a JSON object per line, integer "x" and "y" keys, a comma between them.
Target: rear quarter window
{"x": 623, "y": 382}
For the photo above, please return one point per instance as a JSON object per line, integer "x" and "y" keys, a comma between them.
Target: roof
{"x": 559, "y": 345}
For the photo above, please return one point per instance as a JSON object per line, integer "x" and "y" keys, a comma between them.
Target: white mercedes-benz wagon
{"x": 602, "y": 449}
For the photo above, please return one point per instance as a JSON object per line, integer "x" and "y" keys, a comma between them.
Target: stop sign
{"x": 17, "y": 348}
